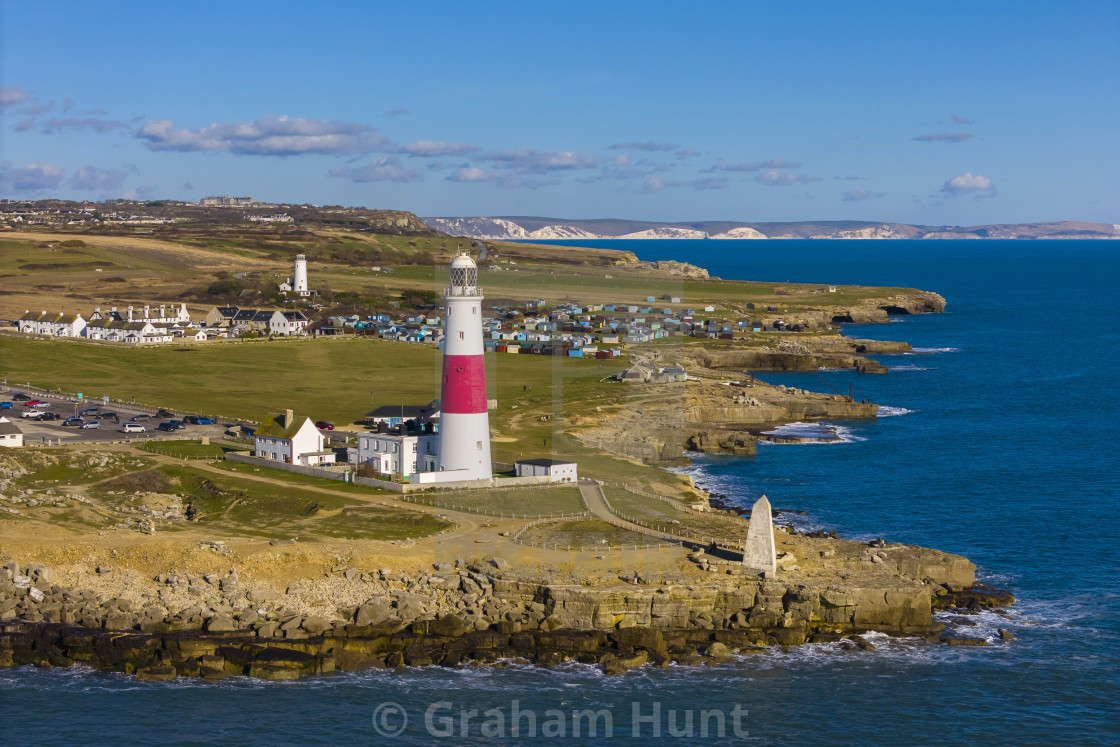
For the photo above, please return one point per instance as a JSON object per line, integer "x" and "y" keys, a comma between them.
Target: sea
{"x": 997, "y": 440}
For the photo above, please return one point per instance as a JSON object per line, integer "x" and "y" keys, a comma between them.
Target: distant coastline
{"x": 527, "y": 228}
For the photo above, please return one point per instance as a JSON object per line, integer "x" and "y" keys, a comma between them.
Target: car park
{"x": 324, "y": 426}
{"x": 72, "y": 421}
{"x": 141, "y": 416}
{"x": 132, "y": 428}
{"x": 91, "y": 424}
{"x": 90, "y": 411}
{"x": 47, "y": 416}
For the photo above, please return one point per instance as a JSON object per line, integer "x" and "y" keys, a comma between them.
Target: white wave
{"x": 936, "y": 350}
{"x": 886, "y": 411}
{"x": 814, "y": 433}
{"x": 910, "y": 368}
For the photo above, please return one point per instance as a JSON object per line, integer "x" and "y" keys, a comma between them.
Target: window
{"x": 478, "y": 445}
{"x": 460, "y": 335}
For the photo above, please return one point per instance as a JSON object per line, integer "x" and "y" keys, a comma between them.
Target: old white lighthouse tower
{"x": 464, "y": 427}
{"x": 299, "y": 276}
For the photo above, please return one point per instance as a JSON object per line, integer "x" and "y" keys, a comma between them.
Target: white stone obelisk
{"x": 759, "y": 553}
{"x": 464, "y": 425}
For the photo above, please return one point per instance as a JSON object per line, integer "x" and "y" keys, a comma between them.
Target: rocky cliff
{"x": 535, "y": 228}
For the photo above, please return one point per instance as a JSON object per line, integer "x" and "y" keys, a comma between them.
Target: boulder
{"x": 315, "y": 625}
{"x": 220, "y": 623}
{"x": 374, "y": 611}
{"x": 717, "y": 650}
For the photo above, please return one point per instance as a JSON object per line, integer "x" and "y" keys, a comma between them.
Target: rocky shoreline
{"x": 478, "y": 614}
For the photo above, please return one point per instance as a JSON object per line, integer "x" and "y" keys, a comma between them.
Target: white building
{"x": 52, "y": 325}
{"x": 396, "y": 451}
{"x": 291, "y": 323}
{"x": 554, "y": 469}
{"x": 284, "y": 439}
{"x": 297, "y": 283}
{"x": 10, "y": 434}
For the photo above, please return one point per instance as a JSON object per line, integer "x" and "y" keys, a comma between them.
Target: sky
{"x": 949, "y": 113}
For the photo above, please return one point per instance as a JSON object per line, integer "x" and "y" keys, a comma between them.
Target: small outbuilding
{"x": 556, "y": 470}
{"x": 10, "y": 434}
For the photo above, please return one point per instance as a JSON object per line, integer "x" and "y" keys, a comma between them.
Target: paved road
{"x": 38, "y": 431}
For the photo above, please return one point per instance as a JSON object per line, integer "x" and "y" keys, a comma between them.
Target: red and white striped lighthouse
{"x": 464, "y": 426}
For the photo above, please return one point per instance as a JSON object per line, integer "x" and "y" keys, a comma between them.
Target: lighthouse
{"x": 299, "y": 276}
{"x": 464, "y": 427}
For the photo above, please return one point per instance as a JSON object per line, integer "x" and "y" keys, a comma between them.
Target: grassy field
{"x": 520, "y": 501}
{"x": 660, "y": 512}
{"x": 242, "y": 507}
{"x": 587, "y": 534}
{"x": 186, "y": 449}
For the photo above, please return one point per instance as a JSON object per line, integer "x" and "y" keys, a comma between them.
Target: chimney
{"x": 289, "y": 418}
{"x": 162, "y": 311}
{"x": 147, "y": 312}
{"x": 130, "y": 313}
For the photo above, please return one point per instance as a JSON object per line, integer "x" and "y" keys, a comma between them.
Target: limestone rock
{"x": 760, "y": 554}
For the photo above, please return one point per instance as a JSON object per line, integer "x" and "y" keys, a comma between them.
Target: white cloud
{"x": 33, "y": 177}
{"x": 85, "y": 123}
{"x": 775, "y": 178}
{"x": 387, "y": 169}
{"x": 653, "y": 185}
{"x": 858, "y": 194}
{"x": 12, "y": 95}
{"x": 961, "y": 120}
{"x": 643, "y": 145}
{"x": 968, "y": 183}
{"x": 469, "y": 174}
{"x": 92, "y": 178}
{"x": 944, "y": 137}
{"x": 773, "y": 163}
{"x": 529, "y": 160}
{"x": 431, "y": 149}
{"x": 25, "y": 124}
{"x": 267, "y": 136}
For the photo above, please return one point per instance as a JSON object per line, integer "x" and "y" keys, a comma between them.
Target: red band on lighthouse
{"x": 464, "y": 384}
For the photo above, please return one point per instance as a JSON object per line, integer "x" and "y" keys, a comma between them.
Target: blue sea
{"x": 1001, "y": 446}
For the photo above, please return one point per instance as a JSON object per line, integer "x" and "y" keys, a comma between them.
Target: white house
{"x": 10, "y": 434}
{"x": 52, "y": 325}
{"x": 292, "y": 323}
{"x": 393, "y": 452}
{"x": 285, "y": 439}
{"x": 554, "y": 469}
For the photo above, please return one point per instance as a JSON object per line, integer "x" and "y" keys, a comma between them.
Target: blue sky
{"x": 952, "y": 113}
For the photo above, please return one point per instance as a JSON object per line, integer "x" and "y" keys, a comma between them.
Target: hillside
{"x": 527, "y": 228}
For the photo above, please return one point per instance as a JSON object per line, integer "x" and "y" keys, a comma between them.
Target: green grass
{"x": 296, "y": 478}
{"x": 520, "y": 501}
{"x": 588, "y": 535}
{"x": 186, "y": 449}
{"x": 664, "y": 514}
{"x": 70, "y": 468}
{"x": 243, "y": 507}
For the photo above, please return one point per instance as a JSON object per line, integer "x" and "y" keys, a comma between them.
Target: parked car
{"x": 165, "y": 414}
{"x": 48, "y": 416}
{"x": 192, "y": 419}
{"x": 72, "y": 421}
{"x": 32, "y": 413}
{"x": 205, "y": 421}
{"x": 132, "y": 428}
{"x": 141, "y": 416}
{"x": 5, "y": 405}
{"x": 324, "y": 425}
{"x": 167, "y": 427}
{"x": 177, "y": 423}
{"x": 20, "y": 397}
{"x": 106, "y": 415}
{"x": 91, "y": 424}
{"x": 90, "y": 411}
{"x": 32, "y": 402}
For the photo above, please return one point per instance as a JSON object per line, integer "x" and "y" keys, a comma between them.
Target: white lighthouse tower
{"x": 299, "y": 276}
{"x": 464, "y": 426}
